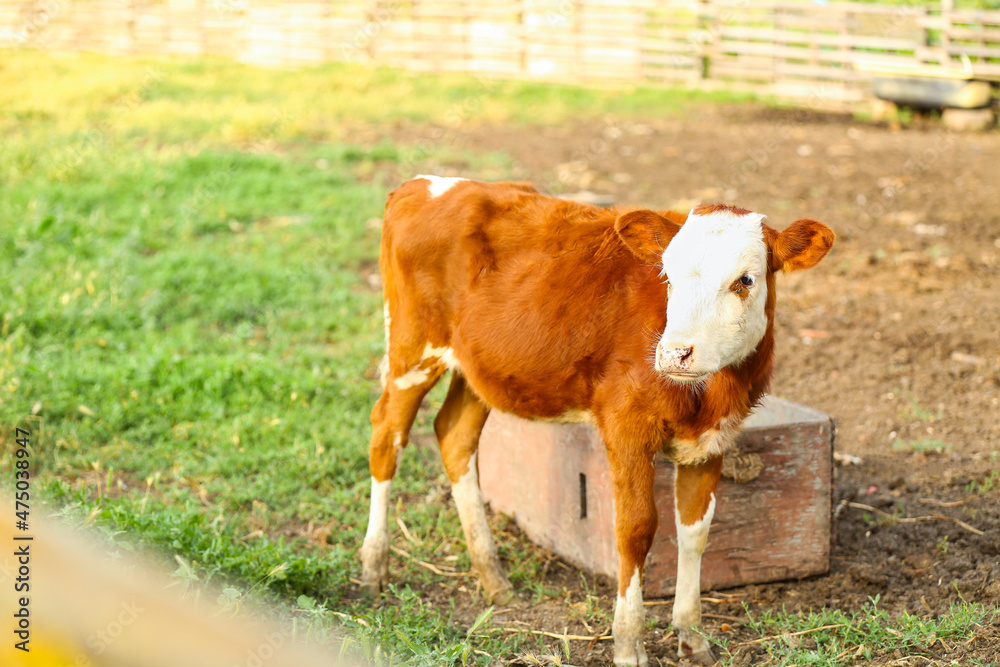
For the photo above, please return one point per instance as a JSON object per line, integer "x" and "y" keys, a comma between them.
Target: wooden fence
{"x": 798, "y": 49}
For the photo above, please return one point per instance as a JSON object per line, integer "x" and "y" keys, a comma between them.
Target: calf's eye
{"x": 746, "y": 280}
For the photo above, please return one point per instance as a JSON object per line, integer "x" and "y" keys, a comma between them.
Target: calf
{"x": 657, "y": 327}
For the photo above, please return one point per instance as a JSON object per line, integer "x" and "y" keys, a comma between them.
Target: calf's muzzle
{"x": 674, "y": 359}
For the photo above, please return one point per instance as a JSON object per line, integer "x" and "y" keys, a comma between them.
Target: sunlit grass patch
{"x": 189, "y": 320}
{"x": 835, "y": 637}
{"x": 216, "y": 100}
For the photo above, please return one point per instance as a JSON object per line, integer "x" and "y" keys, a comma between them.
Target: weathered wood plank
{"x": 554, "y": 480}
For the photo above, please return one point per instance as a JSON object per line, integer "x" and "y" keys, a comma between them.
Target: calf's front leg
{"x": 635, "y": 525}
{"x": 694, "y": 506}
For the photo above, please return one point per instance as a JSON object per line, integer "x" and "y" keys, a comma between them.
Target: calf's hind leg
{"x": 392, "y": 419}
{"x": 458, "y": 426}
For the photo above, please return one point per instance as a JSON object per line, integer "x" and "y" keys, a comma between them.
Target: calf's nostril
{"x": 685, "y": 353}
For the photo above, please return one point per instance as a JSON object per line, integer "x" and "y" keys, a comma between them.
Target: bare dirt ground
{"x": 895, "y": 334}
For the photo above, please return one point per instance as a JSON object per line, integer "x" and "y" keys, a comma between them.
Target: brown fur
{"x": 709, "y": 209}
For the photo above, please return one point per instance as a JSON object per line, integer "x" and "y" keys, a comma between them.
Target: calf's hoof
{"x": 630, "y": 653}
{"x": 699, "y": 657}
{"x": 374, "y": 581}
{"x": 373, "y": 586}
{"x": 497, "y": 587}
{"x": 506, "y": 597}
{"x": 693, "y": 646}
{"x": 374, "y": 568}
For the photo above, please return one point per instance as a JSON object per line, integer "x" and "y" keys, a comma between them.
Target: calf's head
{"x": 718, "y": 267}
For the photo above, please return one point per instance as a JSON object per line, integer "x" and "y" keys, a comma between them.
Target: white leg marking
{"x": 445, "y": 355}
{"x": 691, "y": 541}
{"x": 439, "y": 184}
{"x": 375, "y": 550}
{"x": 482, "y": 550}
{"x": 378, "y": 514}
{"x": 412, "y": 378}
{"x": 629, "y": 625}
{"x": 383, "y": 370}
{"x": 432, "y": 357}
{"x": 469, "y": 500}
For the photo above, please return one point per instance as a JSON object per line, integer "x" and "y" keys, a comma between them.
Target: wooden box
{"x": 554, "y": 480}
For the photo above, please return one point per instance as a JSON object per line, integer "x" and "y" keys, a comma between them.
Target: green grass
{"x": 834, "y": 637}
{"x": 913, "y": 410}
{"x": 987, "y": 484}
{"x": 186, "y": 325}
{"x": 214, "y": 101}
{"x": 925, "y": 445}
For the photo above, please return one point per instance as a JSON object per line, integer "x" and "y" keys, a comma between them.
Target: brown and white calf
{"x": 657, "y": 327}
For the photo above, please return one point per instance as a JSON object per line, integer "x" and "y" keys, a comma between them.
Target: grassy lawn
{"x": 186, "y": 315}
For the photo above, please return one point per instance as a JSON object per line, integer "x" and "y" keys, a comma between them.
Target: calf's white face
{"x": 716, "y": 268}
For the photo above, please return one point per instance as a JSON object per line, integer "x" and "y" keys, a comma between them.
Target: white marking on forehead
{"x": 722, "y": 220}
{"x": 440, "y": 184}
{"x": 712, "y": 244}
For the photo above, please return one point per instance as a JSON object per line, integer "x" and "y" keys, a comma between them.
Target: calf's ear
{"x": 801, "y": 246}
{"x": 646, "y": 233}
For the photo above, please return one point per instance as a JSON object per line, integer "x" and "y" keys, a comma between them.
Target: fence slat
{"x": 783, "y": 47}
